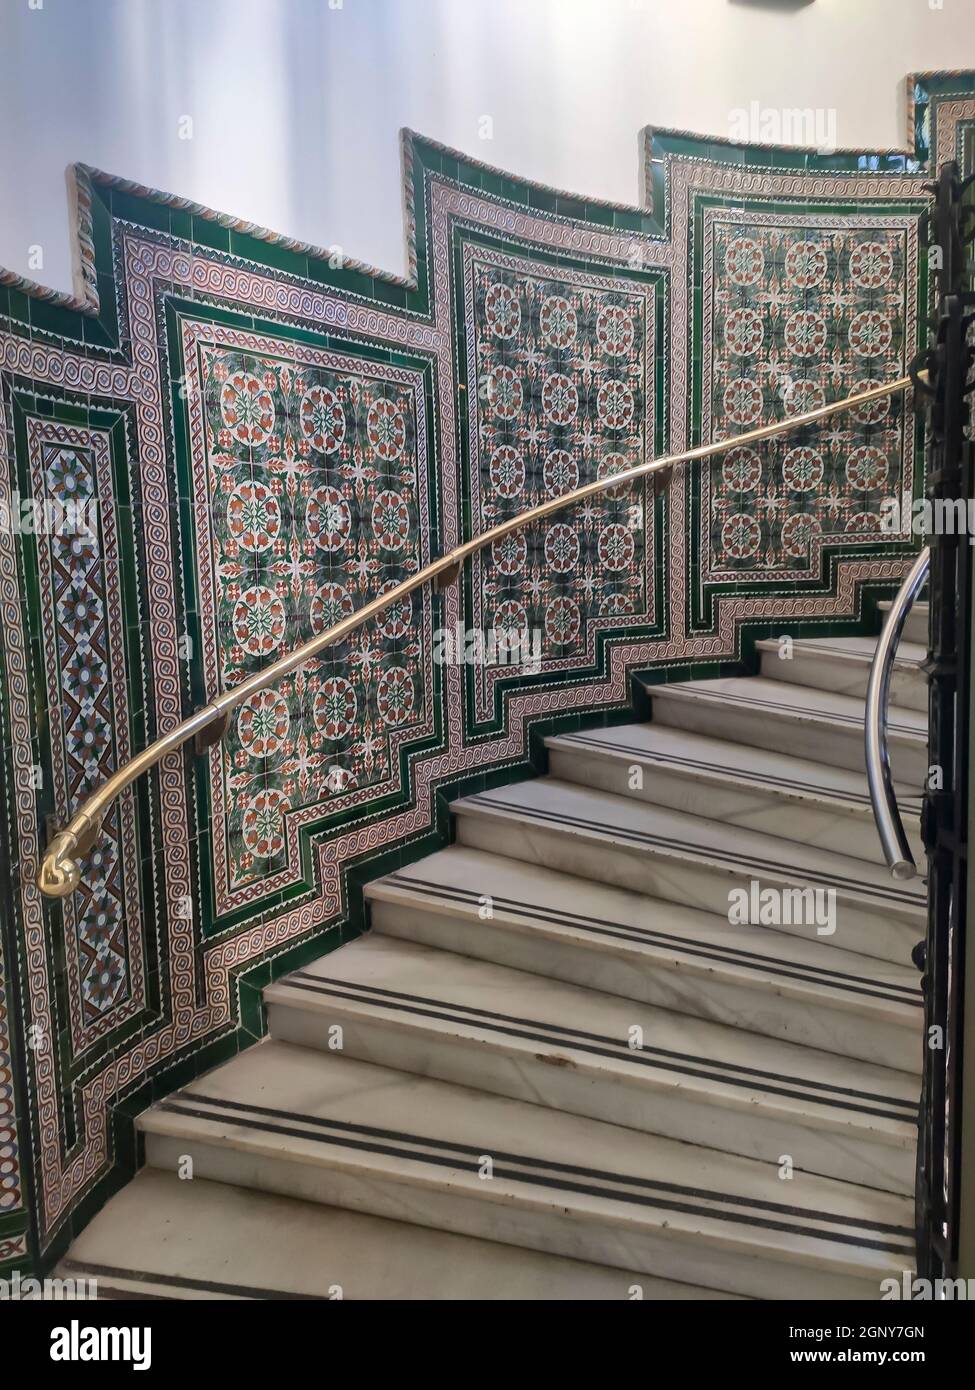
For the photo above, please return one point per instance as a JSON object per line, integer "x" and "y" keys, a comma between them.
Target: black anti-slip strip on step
{"x": 179, "y": 1281}
{"x": 730, "y": 955}
{"x": 855, "y": 658}
{"x": 729, "y": 773}
{"x": 533, "y": 1030}
{"x": 718, "y": 856}
{"x": 572, "y": 1178}
{"x": 849, "y": 721}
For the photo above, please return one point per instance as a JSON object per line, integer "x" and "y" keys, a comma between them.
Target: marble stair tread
{"x": 843, "y": 664}
{"x": 586, "y": 1037}
{"x": 822, "y": 725}
{"x": 162, "y": 1237}
{"x": 649, "y": 950}
{"x": 347, "y": 1133}
{"x": 641, "y": 828}
{"x": 777, "y": 780}
{"x": 858, "y": 650}
{"x": 545, "y": 904}
{"x": 774, "y": 699}
{"x": 916, "y": 623}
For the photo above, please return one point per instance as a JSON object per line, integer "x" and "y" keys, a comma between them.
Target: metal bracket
{"x": 85, "y": 841}
{"x": 446, "y": 577}
{"x": 212, "y": 734}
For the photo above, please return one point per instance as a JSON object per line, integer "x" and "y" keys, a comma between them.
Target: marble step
{"x": 696, "y": 862}
{"x": 654, "y": 952}
{"x": 792, "y": 798}
{"x": 325, "y": 1128}
{"x": 814, "y": 724}
{"x": 915, "y": 625}
{"x": 162, "y": 1237}
{"x": 842, "y": 665}
{"x": 439, "y": 1014}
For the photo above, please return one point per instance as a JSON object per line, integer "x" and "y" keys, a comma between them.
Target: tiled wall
{"x": 271, "y": 437}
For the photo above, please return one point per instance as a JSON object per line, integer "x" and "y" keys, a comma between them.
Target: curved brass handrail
{"x": 59, "y": 873}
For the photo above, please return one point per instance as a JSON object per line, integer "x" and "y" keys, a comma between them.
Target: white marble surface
{"x": 916, "y": 623}
{"x": 814, "y": 724}
{"x": 791, "y": 798}
{"x": 655, "y": 952}
{"x": 555, "y": 1068}
{"x": 842, "y": 665}
{"x": 688, "y": 860}
{"x": 204, "y": 1240}
{"x": 756, "y": 1233}
{"x": 439, "y": 1014}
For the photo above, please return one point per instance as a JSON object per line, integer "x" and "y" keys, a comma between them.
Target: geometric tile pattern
{"x": 316, "y": 486}
{"x": 801, "y": 314}
{"x": 11, "y": 1196}
{"x": 563, "y": 366}
{"x": 83, "y": 643}
{"x": 269, "y": 436}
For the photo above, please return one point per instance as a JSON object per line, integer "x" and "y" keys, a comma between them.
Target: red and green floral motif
{"x": 802, "y": 315}
{"x": 314, "y": 476}
{"x": 560, "y": 402}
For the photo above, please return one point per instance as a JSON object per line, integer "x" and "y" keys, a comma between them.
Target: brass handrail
{"x": 59, "y": 873}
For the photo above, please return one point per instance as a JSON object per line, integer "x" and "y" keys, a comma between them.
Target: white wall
{"x": 296, "y": 103}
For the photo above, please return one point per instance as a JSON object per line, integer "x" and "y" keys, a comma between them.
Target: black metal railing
{"x": 940, "y": 957}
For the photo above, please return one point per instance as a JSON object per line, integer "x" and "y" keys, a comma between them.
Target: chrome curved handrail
{"x": 890, "y": 827}
{"x": 59, "y": 873}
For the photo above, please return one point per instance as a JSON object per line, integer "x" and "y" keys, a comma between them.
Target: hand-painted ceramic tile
{"x": 563, "y": 366}
{"x": 798, "y": 314}
{"x": 82, "y": 624}
{"x": 315, "y": 491}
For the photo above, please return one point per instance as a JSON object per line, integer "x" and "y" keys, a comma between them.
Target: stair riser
{"x": 908, "y": 689}
{"x": 635, "y": 975}
{"x": 849, "y": 833}
{"x": 528, "y": 1224}
{"x": 880, "y": 932}
{"x": 915, "y": 625}
{"x": 830, "y": 744}
{"x": 563, "y": 1083}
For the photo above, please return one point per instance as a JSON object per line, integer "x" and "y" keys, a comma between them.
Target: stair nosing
{"x": 820, "y": 646}
{"x": 793, "y": 979}
{"x": 747, "y": 1089}
{"x": 891, "y": 899}
{"x": 852, "y": 802}
{"x": 906, "y": 735}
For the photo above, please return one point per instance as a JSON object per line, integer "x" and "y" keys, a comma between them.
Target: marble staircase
{"x": 556, "y": 1067}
